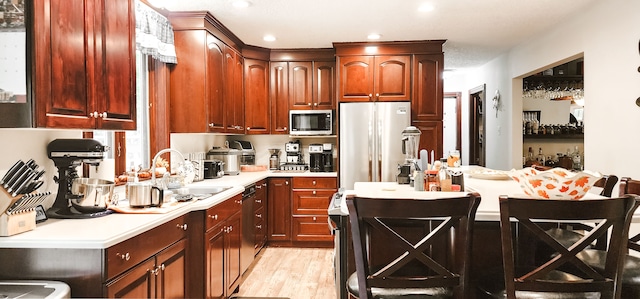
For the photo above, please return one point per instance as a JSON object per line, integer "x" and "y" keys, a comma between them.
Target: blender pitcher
{"x": 410, "y": 144}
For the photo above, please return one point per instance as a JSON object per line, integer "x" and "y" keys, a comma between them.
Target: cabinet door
{"x": 115, "y": 66}
{"x": 138, "y": 282}
{"x": 300, "y": 85}
{"x": 62, "y": 68}
{"x": 230, "y": 91}
{"x": 311, "y": 202}
{"x": 256, "y": 99}
{"x": 311, "y": 228}
{"x": 189, "y": 106}
{"x": 279, "y": 209}
{"x": 214, "y": 262}
{"x": 233, "y": 241}
{"x": 324, "y": 83}
{"x": 214, "y": 84}
{"x": 392, "y": 78}
{"x": 427, "y": 88}
{"x": 260, "y": 214}
{"x": 356, "y": 78}
{"x": 431, "y": 137}
{"x": 238, "y": 86}
{"x": 171, "y": 269}
{"x": 279, "y": 93}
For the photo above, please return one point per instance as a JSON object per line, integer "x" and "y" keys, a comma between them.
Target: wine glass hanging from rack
{"x": 554, "y": 90}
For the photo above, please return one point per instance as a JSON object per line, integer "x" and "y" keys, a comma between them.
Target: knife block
{"x": 14, "y": 223}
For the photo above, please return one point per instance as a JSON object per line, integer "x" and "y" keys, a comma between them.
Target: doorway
{"x": 451, "y": 122}
{"x": 477, "y": 126}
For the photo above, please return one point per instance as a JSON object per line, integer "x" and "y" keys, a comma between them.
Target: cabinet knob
{"x": 214, "y": 217}
{"x": 370, "y": 95}
{"x": 258, "y": 186}
{"x": 265, "y": 184}
{"x": 314, "y": 183}
{"x": 231, "y": 228}
{"x": 258, "y": 200}
{"x": 248, "y": 128}
{"x": 211, "y": 125}
{"x": 259, "y": 215}
{"x": 377, "y": 95}
{"x": 314, "y": 218}
{"x": 314, "y": 192}
{"x": 309, "y": 104}
{"x": 286, "y": 182}
{"x": 315, "y": 104}
{"x": 259, "y": 226}
{"x": 103, "y": 114}
{"x": 285, "y": 128}
{"x": 94, "y": 114}
{"x": 124, "y": 257}
{"x": 183, "y": 226}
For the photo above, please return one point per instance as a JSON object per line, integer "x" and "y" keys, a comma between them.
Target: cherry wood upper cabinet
{"x": 279, "y": 94}
{"x": 375, "y": 78}
{"x": 84, "y": 64}
{"x": 198, "y": 108}
{"x": 324, "y": 82}
{"x": 300, "y": 85}
{"x": 233, "y": 92}
{"x": 427, "y": 87}
{"x": 257, "y": 114}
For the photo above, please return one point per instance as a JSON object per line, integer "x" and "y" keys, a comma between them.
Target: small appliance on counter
{"x": 274, "y": 158}
{"x": 295, "y": 160}
{"x": 321, "y": 157}
{"x": 67, "y": 155}
{"x": 213, "y": 169}
{"x": 229, "y": 157}
{"x": 247, "y": 152}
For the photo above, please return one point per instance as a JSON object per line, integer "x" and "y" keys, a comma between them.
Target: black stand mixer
{"x": 67, "y": 155}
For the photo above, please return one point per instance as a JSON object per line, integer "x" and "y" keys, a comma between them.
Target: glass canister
{"x": 453, "y": 159}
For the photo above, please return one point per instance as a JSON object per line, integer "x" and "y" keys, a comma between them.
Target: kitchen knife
{"x": 16, "y": 176}
{"x": 18, "y": 203}
{"x": 24, "y": 184}
{"x": 11, "y": 171}
{"x": 33, "y": 186}
{"x": 31, "y": 163}
{"x": 17, "y": 183}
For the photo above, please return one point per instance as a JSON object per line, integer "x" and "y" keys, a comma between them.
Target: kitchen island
{"x": 98, "y": 257}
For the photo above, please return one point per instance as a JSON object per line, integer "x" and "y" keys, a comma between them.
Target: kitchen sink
{"x": 202, "y": 192}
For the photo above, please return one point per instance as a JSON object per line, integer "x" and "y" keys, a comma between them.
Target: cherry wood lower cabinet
{"x": 279, "y": 211}
{"x": 260, "y": 216}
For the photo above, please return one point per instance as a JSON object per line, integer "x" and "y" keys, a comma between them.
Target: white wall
{"x": 607, "y": 34}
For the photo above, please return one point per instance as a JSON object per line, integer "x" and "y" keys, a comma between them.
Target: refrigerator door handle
{"x": 370, "y": 145}
{"x": 379, "y": 145}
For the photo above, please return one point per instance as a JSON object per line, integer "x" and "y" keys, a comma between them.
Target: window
{"x": 135, "y": 150}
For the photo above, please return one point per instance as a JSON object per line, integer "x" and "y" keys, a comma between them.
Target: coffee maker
{"x": 327, "y": 154}
{"x": 67, "y": 155}
{"x": 316, "y": 158}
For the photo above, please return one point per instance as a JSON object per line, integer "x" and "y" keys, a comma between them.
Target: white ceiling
{"x": 476, "y": 30}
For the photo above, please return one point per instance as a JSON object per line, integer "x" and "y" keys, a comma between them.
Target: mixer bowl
{"x": 92, "y": 195}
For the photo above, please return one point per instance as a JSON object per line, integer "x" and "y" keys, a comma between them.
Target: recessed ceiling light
{"x": 427, "y": 7}
{"x": 374, "y": 36}
{"x": 269, "y": 38}
{"x": 241, "y": 3}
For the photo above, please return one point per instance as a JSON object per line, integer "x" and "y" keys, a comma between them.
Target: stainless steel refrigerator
{"x": 370, "y": 141}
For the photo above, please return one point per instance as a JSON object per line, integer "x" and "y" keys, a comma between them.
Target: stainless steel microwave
{"x": 311, "y": 122}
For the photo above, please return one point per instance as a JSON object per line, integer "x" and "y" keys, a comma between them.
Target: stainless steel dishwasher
{"x": 247, "y": 248}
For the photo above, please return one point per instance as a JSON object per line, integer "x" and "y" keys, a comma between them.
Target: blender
{"x": 410, "y": 144}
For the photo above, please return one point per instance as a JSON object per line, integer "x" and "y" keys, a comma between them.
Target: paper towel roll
{"x": 106, "y": 170}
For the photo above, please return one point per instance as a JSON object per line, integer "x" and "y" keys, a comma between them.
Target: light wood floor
{"x": 297, "y": 273}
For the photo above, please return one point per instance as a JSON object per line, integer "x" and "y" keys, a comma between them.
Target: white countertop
{"x": 103, "y": 232}
{"x": 489, "y": 190}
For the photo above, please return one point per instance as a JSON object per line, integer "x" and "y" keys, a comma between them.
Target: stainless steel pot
{"x": 230, "y": 158}
{"x": 141, "y": 195}
{"x": 92, "y": 195}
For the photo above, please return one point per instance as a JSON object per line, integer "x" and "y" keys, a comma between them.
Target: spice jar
{"x": 431, "y": 181}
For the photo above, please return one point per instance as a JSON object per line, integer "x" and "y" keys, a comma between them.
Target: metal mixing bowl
{"x": 92, "y": 195}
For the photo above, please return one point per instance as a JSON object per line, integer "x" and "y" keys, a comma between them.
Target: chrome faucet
{"x": 153, "y": 163}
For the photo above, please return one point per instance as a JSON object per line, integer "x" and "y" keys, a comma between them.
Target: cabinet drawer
{"x": 311, "y": 228}
{"x": 311, "y": 202}
{"x": 129, "y": 253}
{"x": 314, "y": 183}
{"x": 218, "y": 213}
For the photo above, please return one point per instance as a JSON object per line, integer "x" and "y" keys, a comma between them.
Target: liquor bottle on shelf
{"x": 577, "y": 159}
{"x": 540, "y": 158}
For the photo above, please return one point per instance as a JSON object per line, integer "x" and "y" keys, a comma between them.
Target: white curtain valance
{"x": 154, "y": 34}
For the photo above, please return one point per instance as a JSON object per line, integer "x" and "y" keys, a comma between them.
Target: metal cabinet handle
{"x": 214, "y": 217}
{"x": 314, "y": 183}
{"x": 286, "y": 182}
{"x": 258, "y": 186}
{"x": 259, "y": 215}
{"x": 315, "y": 104}
{"x": 308, "y": 104}
{"x": 258, "y": 200}
{"x": 211, "y": 125}
{"x": 183, "y": 226}
{"x": 259, "y": 226}
{"x": 103, "y": 114}
{"x": 124, "y": 257}
{"x": 314, "y": 192}
{"x": 314, "y": 218}
{"x": 265, "y": 184}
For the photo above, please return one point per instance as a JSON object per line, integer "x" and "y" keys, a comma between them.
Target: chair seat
{"x": 492, "y": 286}
{"x": 630, "y": 274}
{"x": 404, "y": 293}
